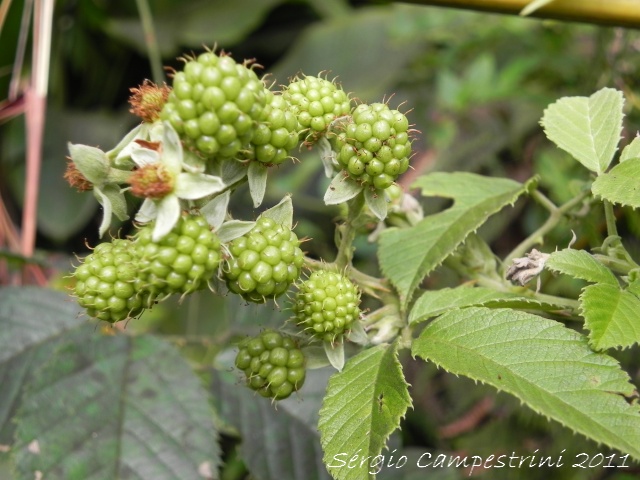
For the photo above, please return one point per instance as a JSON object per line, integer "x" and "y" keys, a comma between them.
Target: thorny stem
{"x": 555, "y": 216}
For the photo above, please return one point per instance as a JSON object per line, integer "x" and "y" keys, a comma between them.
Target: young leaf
{"x": 407, "y": 255}
{"x": 611, "y": 315}
{"x": 33, "y": 322}
{"x": 620, "y": 184}
{"x": 588, "y": 128}
{"x": 546, "y": 365}
{"x": 436, "y": 302}
{"x": 282, "y": 213}
{"x": 632, "y": 150}
{"x": 377, "y": 202}
{"x": 116, "y": 407}
{"x": 580, "y": 264}
{"x": 363, "y": 406}
{"x": 341, "y": 189}
{"x": 257, "y": 182}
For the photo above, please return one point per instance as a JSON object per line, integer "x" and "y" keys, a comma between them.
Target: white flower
{"x": 182, "y": 185}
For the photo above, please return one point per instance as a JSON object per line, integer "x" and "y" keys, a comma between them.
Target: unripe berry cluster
{"x": 264, "y": 262}
{"x": 374, "y": 147}
{"x": 273, "y": 364}
{"x": 182, "y": 261}
{"x": 214, "y": 103}
{"x": 121, "y": 278}
{"x": 276, "y": 135}
{"x": 107, "y": 282}
{"x": 326, "y": 305}
{"x": 317, "y": 102}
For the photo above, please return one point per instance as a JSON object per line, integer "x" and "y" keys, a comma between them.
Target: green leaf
{"x": 282, "y": 213}
{"x": 632, "y": 150}
{"x": 620, "y": 184}
{"x": 408, "y": 255}
{"x": 436, "y": 302}
{"x": 341, "y": 189}
{"x": 611, "y": 315}
{"x": 115, "y": 407}
{"x": 580, "y": 264}
{"x": 278, "y": 441}
{"x": 546, "y": 365}
{"x": 33, "y": 321}
{"x": 377, "y": 202}
{"x": 362, "y": 407}
{"x": 91, "y": 162}
{"x": 257, "y": 177}
{"x": 588, "y": 128}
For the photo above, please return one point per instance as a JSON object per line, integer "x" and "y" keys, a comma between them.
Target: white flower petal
{"x": 148, "y": 211}
{"x": 172, "y": 154}
{"x": 168, "y": 216}
{"x": 144, "y": 156}
{"x": 192, "y": 186}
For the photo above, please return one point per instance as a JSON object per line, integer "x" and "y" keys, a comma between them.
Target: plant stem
{"x": 155, "y": 59}
{"x": 555, "y": 216}
{"x": 610, "y": 217}
{"x": 348, "y": 232}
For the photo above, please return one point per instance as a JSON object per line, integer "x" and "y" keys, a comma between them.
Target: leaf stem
{"x": 555, "y": 216}
{"x": 610, "y": 217}
{"x": 347, "y": 232}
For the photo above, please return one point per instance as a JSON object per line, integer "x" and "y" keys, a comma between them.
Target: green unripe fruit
{"x": 374, "y": 146}
{"x": 107, "y": 282}
{"x": 316, "y": 103}
{"x": 214, "y": 104}
{"x": 183, "y": 260}
{"x": 273, "y": 364}
{"x": 264, "y": 262}
{"x": 326, "y": 305}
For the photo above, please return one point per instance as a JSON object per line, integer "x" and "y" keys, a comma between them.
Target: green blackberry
{"x": 264, "y": 262}
{"x": 326, "y": 305}
{"x": 273, "y": 364}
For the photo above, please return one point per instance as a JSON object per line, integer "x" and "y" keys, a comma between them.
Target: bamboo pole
{"x": 622, "y": 13}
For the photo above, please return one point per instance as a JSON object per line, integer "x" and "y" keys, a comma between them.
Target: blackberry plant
{"x": 217, "y": 128}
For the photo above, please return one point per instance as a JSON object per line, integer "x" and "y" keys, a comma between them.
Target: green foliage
{"x": 88, "y": 401}
{"x": 546, "y": 365}
{"x": 363, "y": 406}
{"x": 587, "y": 128}
{"x": 407, "y": 255}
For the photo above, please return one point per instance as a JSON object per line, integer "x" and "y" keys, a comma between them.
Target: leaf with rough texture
{"x": 115, "y": 407}
{"x": 632, "y": 150}
{"x": 611, "y": 315}
{"x": 546, "y": 365}
{"x": 620, "y": 184}
{"x": 588, "y": 128}
{"x": 279, "y": 441}
{"x": 436, "y": 302}
{"x": 407, "y": 255}
{"x": 362, "y": 407}
{"x": 580, "y": 264}
{"x": 33, "y": 321}
{"x": 341, "y": 189}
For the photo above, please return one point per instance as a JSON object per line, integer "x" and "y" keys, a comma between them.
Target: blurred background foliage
{"x": 475, "y": 86}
